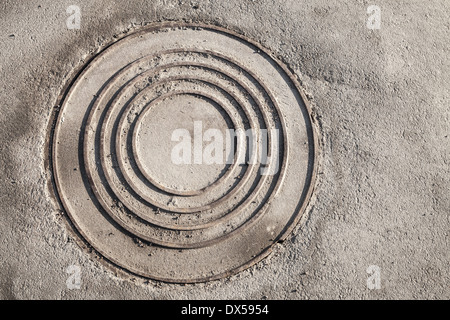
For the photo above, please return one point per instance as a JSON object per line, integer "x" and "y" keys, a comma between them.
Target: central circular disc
{"x": 183, "y": 152}
{"x": 173, "y": 140}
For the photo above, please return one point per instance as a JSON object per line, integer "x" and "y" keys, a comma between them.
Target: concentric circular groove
{"x": 140, "y": 165}
{"x": 195, "y": 227}
{"x": 123, "y": 100}
{"x": 163, "y": 96}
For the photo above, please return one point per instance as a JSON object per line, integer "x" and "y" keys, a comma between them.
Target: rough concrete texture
{"x": 381, "y": 99}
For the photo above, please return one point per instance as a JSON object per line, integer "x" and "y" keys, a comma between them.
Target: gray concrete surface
{"x": 381, "y": 99}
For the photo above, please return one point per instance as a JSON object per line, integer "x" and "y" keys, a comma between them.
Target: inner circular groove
{"x": 223, "y": 176}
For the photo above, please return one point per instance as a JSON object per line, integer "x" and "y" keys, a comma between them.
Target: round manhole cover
{"x": 183, "y": 152}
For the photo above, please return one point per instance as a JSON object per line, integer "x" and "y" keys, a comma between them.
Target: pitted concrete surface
{"x": 380, "y": 100}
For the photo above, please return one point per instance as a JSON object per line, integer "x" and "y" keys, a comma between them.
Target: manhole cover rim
{"x": 311, "y": 131}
